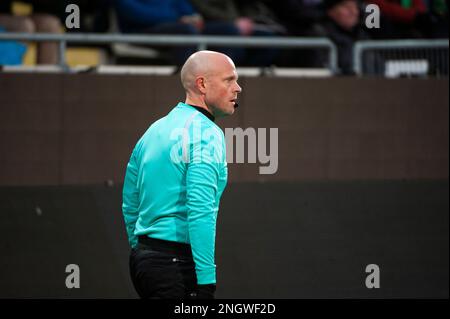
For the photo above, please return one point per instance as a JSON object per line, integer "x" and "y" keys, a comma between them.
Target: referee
{"x": 173, "y": 183}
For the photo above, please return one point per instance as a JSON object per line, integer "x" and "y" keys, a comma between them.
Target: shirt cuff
{"x": 206, "y": 276}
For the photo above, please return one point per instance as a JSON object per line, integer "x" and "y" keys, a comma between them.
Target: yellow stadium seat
{"x": 19, "y": 8}
{"x": 84, "y": 56}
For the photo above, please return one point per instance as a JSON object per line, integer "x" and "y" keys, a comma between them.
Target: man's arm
{"x": 216, "y": 11}
{"x": 131, "y": 198}
{"x": 202, "y": 182}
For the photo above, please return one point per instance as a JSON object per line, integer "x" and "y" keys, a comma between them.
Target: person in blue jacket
{"x": 172, "y": 17}
{"x": 174, "y": 180}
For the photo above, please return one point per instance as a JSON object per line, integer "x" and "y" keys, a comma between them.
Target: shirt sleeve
{"x": 130, "y": 205}
{"x": 202, "y": 186}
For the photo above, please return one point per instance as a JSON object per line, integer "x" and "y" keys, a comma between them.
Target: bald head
{"x": 210, "y": 81}
{"x": 202, "y": 63}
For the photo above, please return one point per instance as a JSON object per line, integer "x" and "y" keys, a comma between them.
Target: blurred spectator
{"x": 251, "y": 18}
{"x": 400, "y": 11}
{"x": 95, "y": 15}
{"x": 411, "y": 18}
{"x": 38, "y": 21}
{"x": 170, "y": 17}
{"x": 301, "y": 18}
{"x": 262, "y": 15}
{"x": 439, "y": 11}
{"x": 343, "y": 26}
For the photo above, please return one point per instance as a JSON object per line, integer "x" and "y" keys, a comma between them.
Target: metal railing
{"x": 202, "y": 42}
{"x": 397, "y": 57}
{"x": 369, "y": 57}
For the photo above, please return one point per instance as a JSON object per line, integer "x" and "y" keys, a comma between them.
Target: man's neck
{"x": 201, "y": 107}
{"x": 199, "y": 103}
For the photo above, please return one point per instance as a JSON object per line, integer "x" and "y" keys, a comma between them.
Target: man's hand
{"x": 195, "y": 20}
{"x": 206, "y": 291}
{"x": 245, "y": 25}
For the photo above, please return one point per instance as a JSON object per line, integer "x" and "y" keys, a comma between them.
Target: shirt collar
{"x": 202, "y": 110}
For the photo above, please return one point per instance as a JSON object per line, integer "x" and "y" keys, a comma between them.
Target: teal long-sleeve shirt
{"x": 173, "y": 183}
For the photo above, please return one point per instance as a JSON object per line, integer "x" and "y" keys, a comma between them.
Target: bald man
{"x": 173, "y": 184}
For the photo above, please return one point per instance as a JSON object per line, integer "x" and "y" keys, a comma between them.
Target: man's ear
{"x": 200, "y": 84}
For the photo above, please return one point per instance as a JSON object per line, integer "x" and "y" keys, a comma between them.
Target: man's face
{"x": 345, "y": 14}
{"x": 222, "y": 89}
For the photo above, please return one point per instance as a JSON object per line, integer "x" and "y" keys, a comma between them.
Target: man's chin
{"x": 226, "y": 110}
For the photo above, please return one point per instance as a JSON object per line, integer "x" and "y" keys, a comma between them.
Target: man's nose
{"x": 238, "y": 88}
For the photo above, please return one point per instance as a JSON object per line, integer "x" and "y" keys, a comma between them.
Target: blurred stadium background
{"x": 362, "y": 118}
